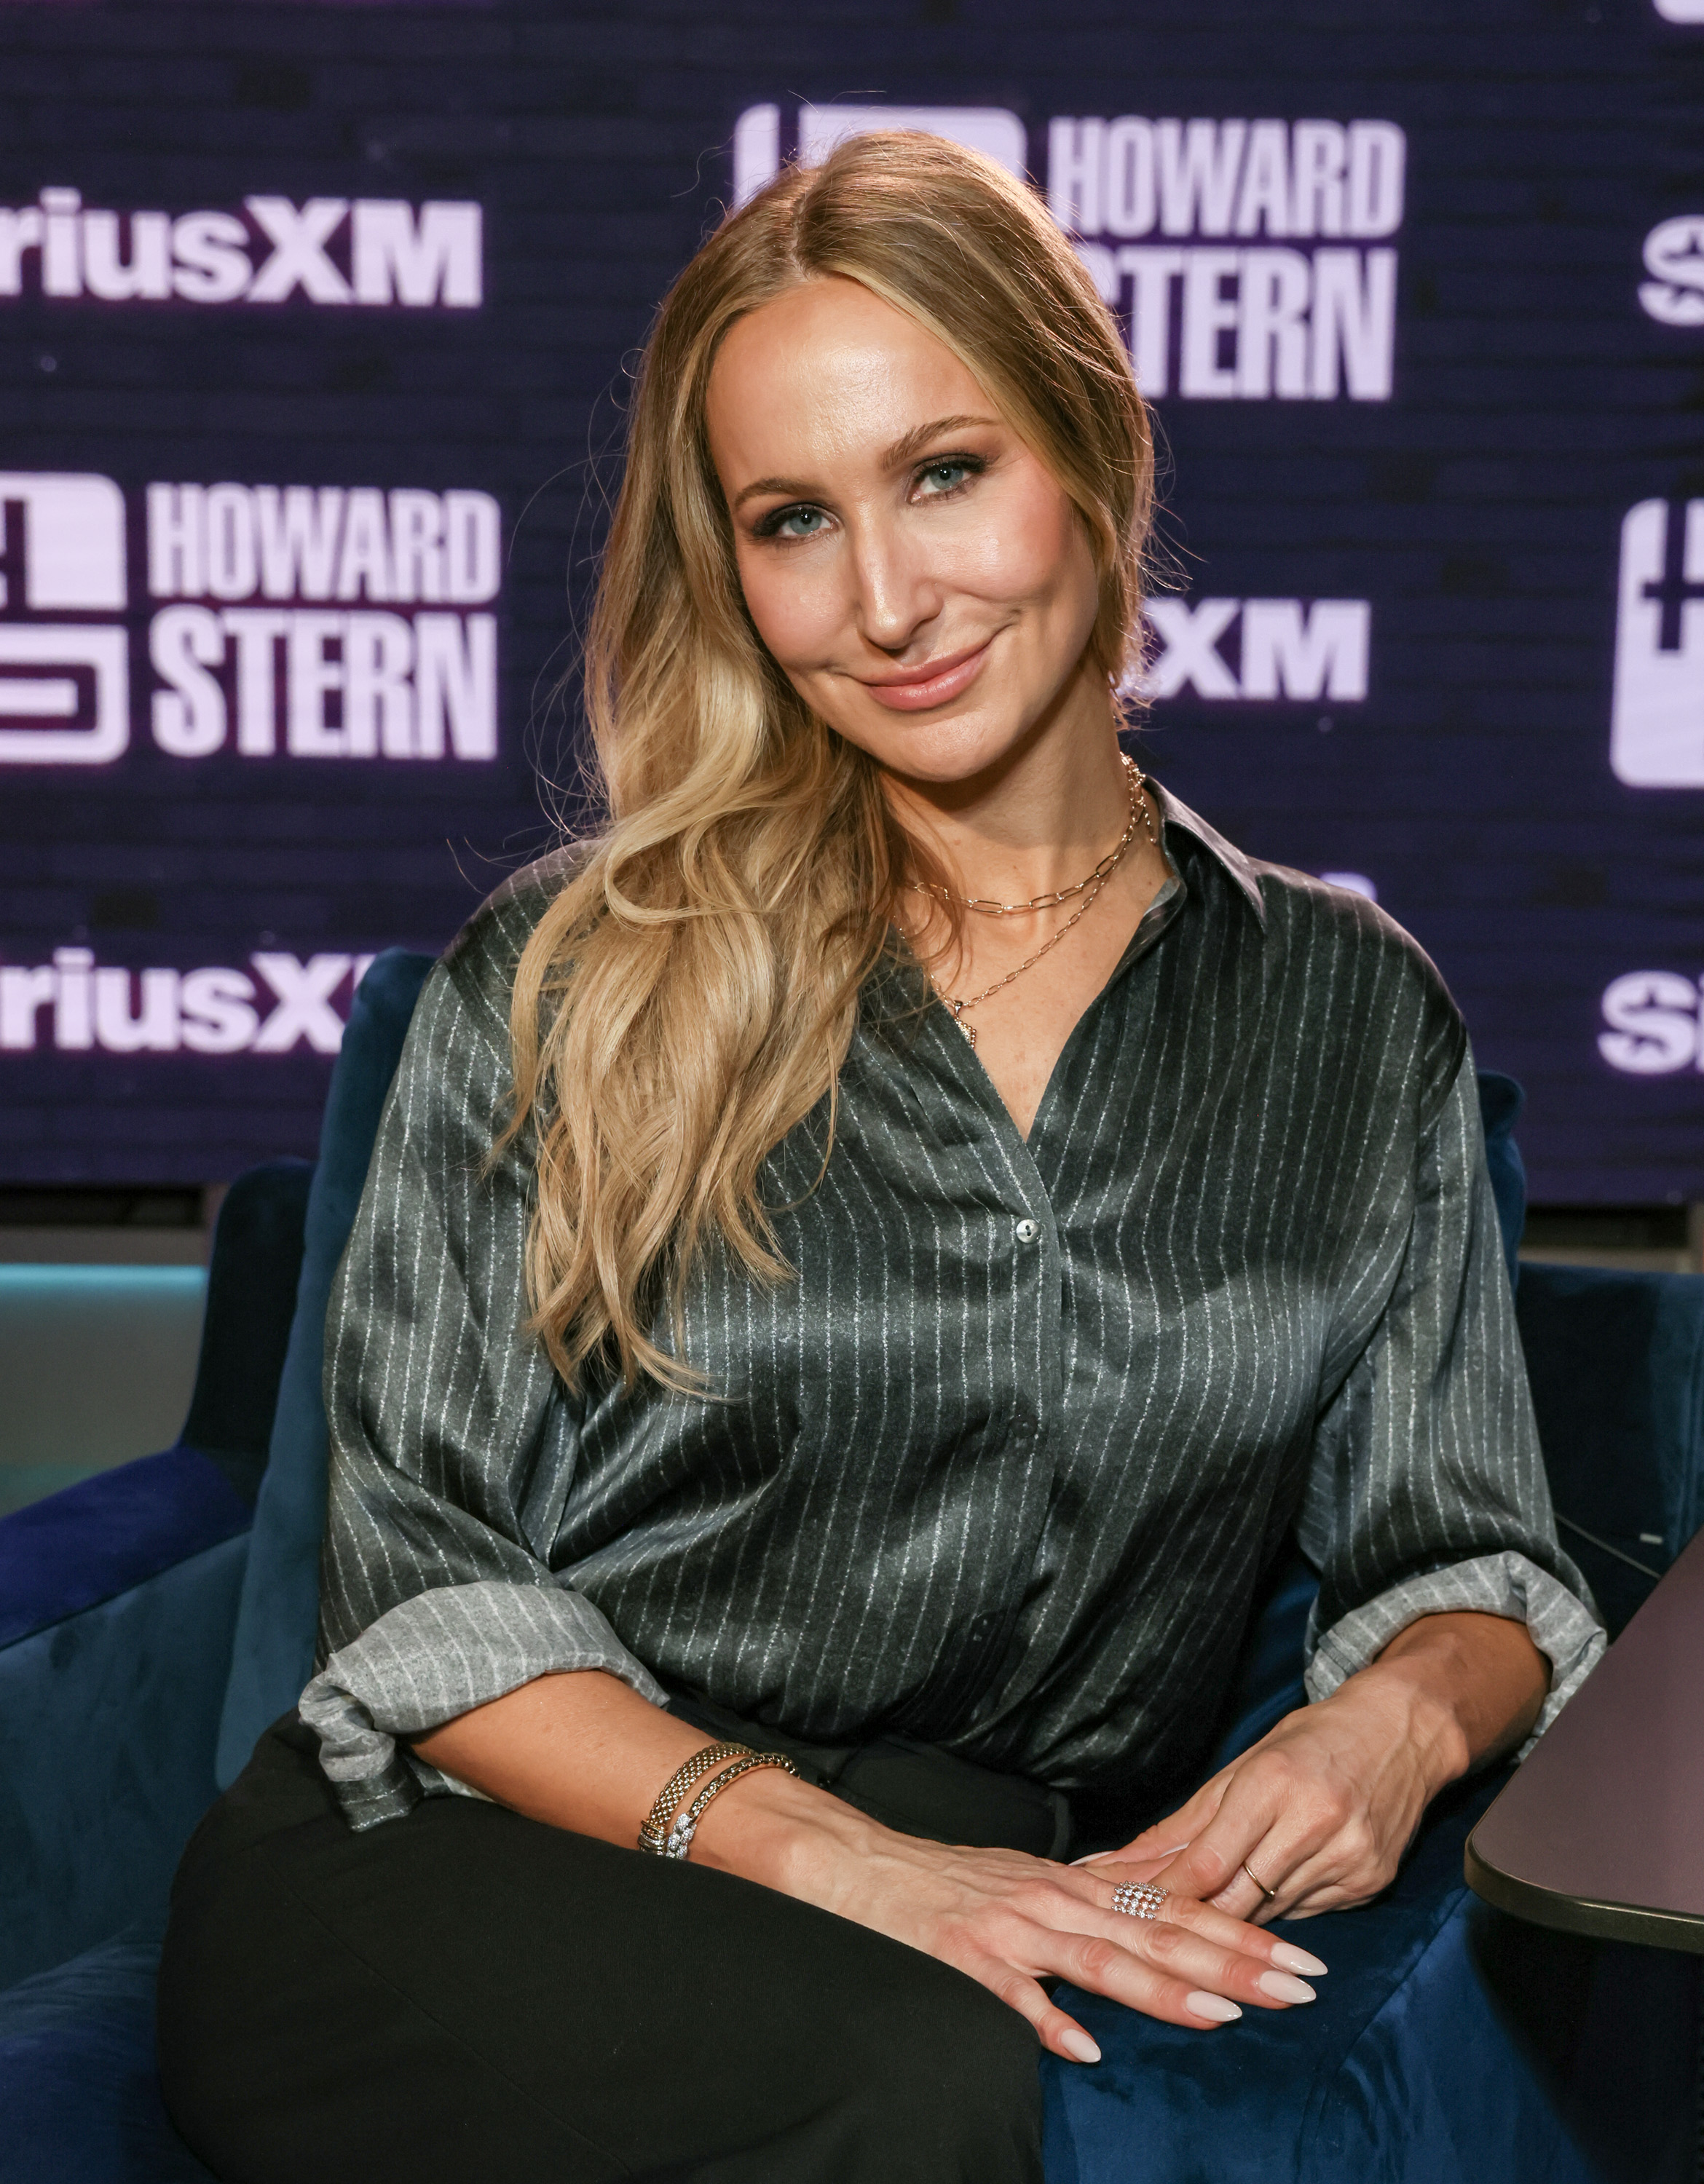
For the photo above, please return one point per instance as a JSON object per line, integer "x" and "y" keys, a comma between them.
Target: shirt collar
{"x": 1173, "y": 813}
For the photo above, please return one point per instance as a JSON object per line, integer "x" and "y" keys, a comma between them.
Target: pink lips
{"x": 913, "y": 690}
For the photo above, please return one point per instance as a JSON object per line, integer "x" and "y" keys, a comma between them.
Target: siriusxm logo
{"x": 1656, "y": 1022}
{"x": 1244, "y": 255}
{"x": 329, "y": 250}
{"x": 1674, "y": 259}
{"x": 1657, "y": 727}
{"x": 1224, "y": 649}
{"x": 307, "y": 621}
{"x": 73, "y": 1005}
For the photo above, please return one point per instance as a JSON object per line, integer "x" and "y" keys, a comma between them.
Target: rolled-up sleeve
{"x": 452, "y": 1440}
{"x": 1426, "y": 1491}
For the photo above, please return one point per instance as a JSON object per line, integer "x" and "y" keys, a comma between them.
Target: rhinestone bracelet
{"x": 654, "y": 1833}
{"x": 681, "y": 1834}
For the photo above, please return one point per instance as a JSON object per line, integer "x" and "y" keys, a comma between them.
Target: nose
{"x": 896, "y": 596}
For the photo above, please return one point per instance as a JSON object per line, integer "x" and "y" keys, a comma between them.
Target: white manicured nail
{"x": 1289, "y": 1959}
{"x": 1283, "y": 1988}
{"x": 1213, "y": 2007}
{"x": 1080, "y": 2045}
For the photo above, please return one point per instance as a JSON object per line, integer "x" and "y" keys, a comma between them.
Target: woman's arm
{"x": 1448, "y": 1624}
{"x": 1321, "y": 1809}
{"x": 584, "y": 1751}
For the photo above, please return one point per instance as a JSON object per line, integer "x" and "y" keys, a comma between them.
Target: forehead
{"x": 828, "y": 367}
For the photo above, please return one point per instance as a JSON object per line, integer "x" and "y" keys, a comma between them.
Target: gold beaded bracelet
{"x": 681, "y": 1834}
{"x": 654, "y": 1833}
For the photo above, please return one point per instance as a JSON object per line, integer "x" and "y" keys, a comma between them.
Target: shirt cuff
{"x": 1559, "y": 1623}
{"x": 437, "y": 1656}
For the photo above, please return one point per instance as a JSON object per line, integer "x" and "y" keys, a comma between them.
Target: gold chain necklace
{"x": 1089, "y": 888}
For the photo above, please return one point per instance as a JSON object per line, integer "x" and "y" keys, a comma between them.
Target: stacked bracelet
{"x": 680, "y": 1835}
{"x": 654, "y": 1834}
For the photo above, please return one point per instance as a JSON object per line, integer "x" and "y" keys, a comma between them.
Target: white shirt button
{"x": 1027, "y": 1231}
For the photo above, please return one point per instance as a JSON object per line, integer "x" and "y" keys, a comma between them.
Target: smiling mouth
{"x": 916, "y": 689}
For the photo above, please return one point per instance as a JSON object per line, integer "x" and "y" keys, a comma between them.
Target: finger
{"x": 1342, "y": 1870}
{"x": 1259, "y": 1889}
{"x": 1212, "y": 1953}
{"x": 1061, "y": 2035}
{"x": 1168, "y": 1971}
{"x": 1260, "y": 1835}
{"x": 1325, "y": 1882}
{"x": 1227, "y": 1932}
{"x": 1117, "y": 1865}
{"x": 1211, "y": 1868}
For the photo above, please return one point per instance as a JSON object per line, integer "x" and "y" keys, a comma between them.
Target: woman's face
{"x": 922, "y": 578}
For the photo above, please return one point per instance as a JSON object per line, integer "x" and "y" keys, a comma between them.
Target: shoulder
{"x": 1347, "y": 982}
{"x": 474, "y": 978}
{"x": 481, "y": 958}
{"x": 1306, "y": 916}
{"x": 1364, "y": 980}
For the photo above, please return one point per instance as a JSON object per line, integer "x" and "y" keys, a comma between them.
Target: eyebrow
{"x": 901, "y": 453}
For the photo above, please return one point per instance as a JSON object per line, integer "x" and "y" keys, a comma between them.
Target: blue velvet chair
{"x": 153, "y": 1620}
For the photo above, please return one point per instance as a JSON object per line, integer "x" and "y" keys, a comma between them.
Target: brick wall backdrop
{"x": 1477, "y": 512}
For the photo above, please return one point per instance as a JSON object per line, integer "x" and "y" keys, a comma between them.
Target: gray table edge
{"x": 1580, "y": 1914}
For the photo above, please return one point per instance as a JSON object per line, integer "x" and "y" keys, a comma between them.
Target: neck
{"x": 1038, "y": 819}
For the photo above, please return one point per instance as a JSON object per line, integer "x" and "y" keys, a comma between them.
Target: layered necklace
{"x": 1089, "y": 887}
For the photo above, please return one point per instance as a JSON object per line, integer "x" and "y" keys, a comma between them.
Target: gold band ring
{"x": 1270, "y": 1894}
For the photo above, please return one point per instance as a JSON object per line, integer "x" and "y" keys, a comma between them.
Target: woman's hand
{"x": 582, "y": 1751}
{"x": 1319, "y": 1812}
{"x": 1317, "y": 1816}
{"x": 1008, "y": 1921}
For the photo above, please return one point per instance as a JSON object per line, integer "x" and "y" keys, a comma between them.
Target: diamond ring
{"x": 1138, "y": 1899}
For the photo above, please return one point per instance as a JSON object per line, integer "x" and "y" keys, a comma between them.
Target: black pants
{"x": 464, "y": 1997}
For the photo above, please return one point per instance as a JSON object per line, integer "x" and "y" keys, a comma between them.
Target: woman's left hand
{"x": 1317, "y": 1816}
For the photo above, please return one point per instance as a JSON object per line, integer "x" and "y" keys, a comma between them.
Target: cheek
{"x": 796, "y": 609}
{"x": 1036, "y": 554}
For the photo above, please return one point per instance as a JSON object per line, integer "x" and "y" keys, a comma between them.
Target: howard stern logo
{"x": 329, "y": 250}
{"x": 1246, "y": 258}
{"x": 305, "y": 623}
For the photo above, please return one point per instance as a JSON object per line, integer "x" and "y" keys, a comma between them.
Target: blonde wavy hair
{"x": 690, "y": 994}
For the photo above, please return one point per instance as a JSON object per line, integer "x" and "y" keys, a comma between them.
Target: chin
{"x": 948, "y": 749}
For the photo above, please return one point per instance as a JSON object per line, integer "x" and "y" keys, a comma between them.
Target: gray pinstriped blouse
{"x": 1001, "y": 1469}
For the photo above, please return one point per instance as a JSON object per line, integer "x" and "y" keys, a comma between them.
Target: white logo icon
{"x": 1675, "y": 259}
{"x": 1656, "y": 731}
{"x": 757, "y": 136}
{"x": 64, "y": 685}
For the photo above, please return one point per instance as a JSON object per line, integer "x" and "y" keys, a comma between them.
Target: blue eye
{"x": 946, "y": 474}
{"x": 797, "y": 522}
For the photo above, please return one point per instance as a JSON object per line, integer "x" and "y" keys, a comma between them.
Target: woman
{"x": 865, "y": 1263}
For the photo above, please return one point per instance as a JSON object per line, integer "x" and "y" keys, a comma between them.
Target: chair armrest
{"x": 95, "y": 1540}
{"x": 118, "y": 1598}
